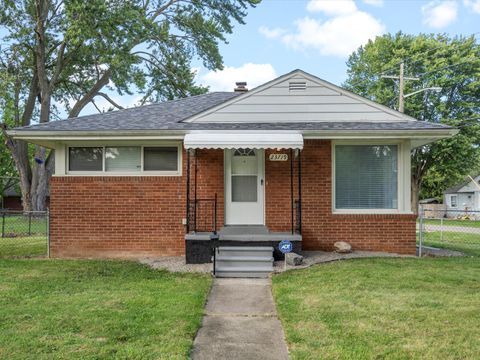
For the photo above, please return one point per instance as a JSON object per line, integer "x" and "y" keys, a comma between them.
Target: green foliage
{"x": 147, "y": 46}
{"x": 58, "y": 56}
{"x": 450, "y": 63}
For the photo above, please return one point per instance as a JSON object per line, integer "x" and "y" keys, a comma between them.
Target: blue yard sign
{"x": 285, "y": 246}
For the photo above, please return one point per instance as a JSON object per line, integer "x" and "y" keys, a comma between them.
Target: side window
{"x": 453, "y": 201}
{"x": 160, "y": 159}
{"x": 85, "y": 159}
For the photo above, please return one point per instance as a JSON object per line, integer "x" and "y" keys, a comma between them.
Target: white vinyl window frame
{"x": 142, "y": 172}
{"x": 403, "y": 178}
{"x": 453, "y": 203}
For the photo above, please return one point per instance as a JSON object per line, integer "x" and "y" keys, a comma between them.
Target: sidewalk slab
{"x": 240, "y": 322}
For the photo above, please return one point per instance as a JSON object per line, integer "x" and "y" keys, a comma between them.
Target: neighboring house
{"x": 463, "y": 196}
{"x": 11, "y": 199}
{"x": 297, "y": 158}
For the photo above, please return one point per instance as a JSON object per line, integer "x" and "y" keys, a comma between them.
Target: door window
{"x": 244, "y": 175}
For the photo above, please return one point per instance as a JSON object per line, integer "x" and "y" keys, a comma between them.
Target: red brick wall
{"x": 106, "y": 216}
{"x": 278, "y": 197}
{"x": 117, "y": 216}
{"x": 210, "y": 181}
{"x": 321, "y": 229}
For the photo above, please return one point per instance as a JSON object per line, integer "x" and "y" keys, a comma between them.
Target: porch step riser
{"x": 247, "y": 261}
{"x": 231, "y": 253}
{"x": 246, "y": 265}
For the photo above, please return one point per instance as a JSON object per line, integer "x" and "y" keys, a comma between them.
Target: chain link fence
{"x": 457, "y": 230}
{"x": 23, "y": 234}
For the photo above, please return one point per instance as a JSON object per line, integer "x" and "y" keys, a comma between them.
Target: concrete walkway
{"x": 240, "y": 322}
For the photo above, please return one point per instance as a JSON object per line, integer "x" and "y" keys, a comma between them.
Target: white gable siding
{"x": 318, "y": 102}
{"x": 471, "y": 186}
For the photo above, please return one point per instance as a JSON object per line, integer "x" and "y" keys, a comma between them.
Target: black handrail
{"x": 298, "y": 216}
{"x": 202, "y": 215}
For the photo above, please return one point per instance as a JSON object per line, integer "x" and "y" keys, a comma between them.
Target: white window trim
{"x": 403, "y": 204}
{"x": 142, "y": 172}
{"x": 456, "y": 201}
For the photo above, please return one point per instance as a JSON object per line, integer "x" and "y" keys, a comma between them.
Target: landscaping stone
{"x": 342, "y": 247}
{"x": 294, "y": 259}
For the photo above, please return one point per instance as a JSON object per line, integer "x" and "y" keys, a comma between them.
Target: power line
{"x": 428, "y": 51}
{"x": 448, "y": 66}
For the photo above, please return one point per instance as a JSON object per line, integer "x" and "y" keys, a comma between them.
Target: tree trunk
{"x": 415, "y": 192}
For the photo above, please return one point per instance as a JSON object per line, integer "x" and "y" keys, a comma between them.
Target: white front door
{"x": 244, "y": 169}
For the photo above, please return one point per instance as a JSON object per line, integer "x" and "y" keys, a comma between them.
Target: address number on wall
{"x": 278, "y": 157}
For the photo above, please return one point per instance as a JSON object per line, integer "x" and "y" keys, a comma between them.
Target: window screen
{"x": 123, "y": 158}
{"x": 160, "y": 159}
{"x": 366, "y": 177}
{"x": 85, "y": 159}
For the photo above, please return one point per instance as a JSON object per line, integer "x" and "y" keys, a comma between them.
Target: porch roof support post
{"x": 291, "y": 192}
{"x": 188, "y": 192}
{"x": 195, "y": 193}
{"x": 299, "y": 192}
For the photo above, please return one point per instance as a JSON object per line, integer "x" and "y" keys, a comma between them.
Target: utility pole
{"x": 401, "y": 85}
{"x": 401, "y": 100}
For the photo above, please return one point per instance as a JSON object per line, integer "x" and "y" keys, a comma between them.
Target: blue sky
{"x": 317, "y": 36}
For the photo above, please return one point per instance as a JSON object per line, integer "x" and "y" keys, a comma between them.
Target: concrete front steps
{"x": 244, "y": 261}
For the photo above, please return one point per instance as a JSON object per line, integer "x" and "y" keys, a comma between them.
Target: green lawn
{"x": 464, "y": 242}
{"x": 67, "y": 309}
{"x": 23, "y": 236}
{"x": 23, "y": 246}
{"x": 453, "y": 222}
{"x": 23, "y": 225}
{"x": 382, "y": 308}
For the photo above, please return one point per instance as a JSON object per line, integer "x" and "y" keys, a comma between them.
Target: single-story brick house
{"x": 297, "y": 158}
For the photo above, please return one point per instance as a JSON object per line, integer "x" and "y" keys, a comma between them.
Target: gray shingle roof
{"x": 455, "y": 188}
{"x": 169, "y": 115}
{"x": 148, "y": 117}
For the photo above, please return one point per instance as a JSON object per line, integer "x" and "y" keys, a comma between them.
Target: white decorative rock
{"x": 294, "y": 259}
{"x": 342, "y": 247}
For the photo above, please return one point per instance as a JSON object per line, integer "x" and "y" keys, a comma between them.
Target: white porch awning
{"x": 243, "y": 140}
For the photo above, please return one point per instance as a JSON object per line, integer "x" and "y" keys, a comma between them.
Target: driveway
{"x": 240, "y": 322}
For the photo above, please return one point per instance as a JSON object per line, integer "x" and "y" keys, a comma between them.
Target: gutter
{"x": 179, "y": 134}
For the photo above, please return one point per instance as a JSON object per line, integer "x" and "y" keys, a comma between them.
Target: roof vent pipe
{"x": 241, "y": 87}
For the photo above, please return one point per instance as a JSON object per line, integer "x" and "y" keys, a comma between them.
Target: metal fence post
{"x": 48, "y": 232}
{"x": 420, "y": 232}
{"x": 441, "y": 229}
{"x": 3, "y": 224}
{"x": 29, "y": 223}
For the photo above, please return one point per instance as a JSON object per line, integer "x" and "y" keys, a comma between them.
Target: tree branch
{"x": 89, "y": 95}
{"x": 110, "y": 100}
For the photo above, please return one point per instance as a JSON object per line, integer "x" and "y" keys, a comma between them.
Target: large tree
{"x": 439, "y": 61}
{"x": 58, "y": 56}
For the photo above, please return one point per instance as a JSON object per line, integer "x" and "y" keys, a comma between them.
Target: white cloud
{"x": 374, "y": 2}
{"x": 438, "y": 14}
{"x": 473, "y": 5}
{"x": 333, "y": 35}
{"x": 271, "y": 33}
{"x": 224, "y": 80}
{"x": 332, "y": 8}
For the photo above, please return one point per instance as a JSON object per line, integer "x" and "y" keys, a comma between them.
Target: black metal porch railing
{"x": 298, "y": 216}
{"x": 202, "y": 215}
